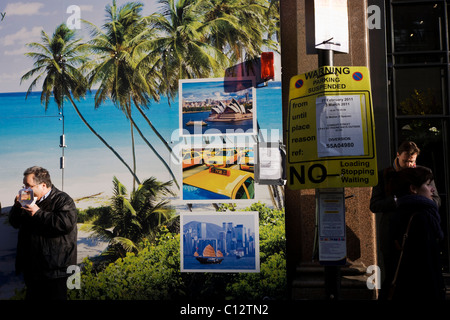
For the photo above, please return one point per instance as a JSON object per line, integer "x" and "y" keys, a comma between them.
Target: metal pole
{"x": 62, "y": 145}
{"x": 325, "y": 58}
{"x": 332, "y": 272}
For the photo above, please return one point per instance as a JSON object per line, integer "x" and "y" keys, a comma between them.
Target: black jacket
{"x": 47, "y": 241}
{"x": 420, "y": 274}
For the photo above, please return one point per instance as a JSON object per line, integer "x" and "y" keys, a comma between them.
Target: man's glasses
{"x": 31, "y": 187}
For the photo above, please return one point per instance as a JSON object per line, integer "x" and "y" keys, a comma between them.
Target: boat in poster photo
{"x": 209, "y": 256}
{"x": 212, "y": 242}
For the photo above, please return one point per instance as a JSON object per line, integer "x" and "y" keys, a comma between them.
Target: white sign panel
{"x": 270, "y": 163}
{"x": 332, "y": 241}
{"x": 331, "y": 24}
{"x": 339, "y": 126}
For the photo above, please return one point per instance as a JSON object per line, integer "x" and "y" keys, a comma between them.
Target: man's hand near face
{"x": 31, "y": 208}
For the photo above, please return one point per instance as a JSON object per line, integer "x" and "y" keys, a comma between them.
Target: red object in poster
{"x": 267, "y": 68}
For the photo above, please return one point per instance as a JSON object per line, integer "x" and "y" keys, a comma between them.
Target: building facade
{"x": 417, "y": 56}
{"x": 405, "y": 45}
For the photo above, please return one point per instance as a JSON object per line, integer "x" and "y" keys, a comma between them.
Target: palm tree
{"x": 136, "y": 217}
{"x": 115, "y": 68}
{"x": 180, "y": 50}
{"x": 236, "y": 25}
{"x": 201, "y": 38}
{"x": 57, "y": 61}
{"x": 241, "y": 28}
{"x": 273, "y": 18}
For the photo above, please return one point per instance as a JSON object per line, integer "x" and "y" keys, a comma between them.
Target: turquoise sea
{"x": 30, "y": 135}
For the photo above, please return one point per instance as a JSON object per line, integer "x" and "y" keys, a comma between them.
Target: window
{"x": 247, "y": 190}
{"x": 241, "y": 194}
{"x": 418, "y": 60}
{"x": 419, "y": 91}
{"x": 418, "y": 27}
{"x": 250, "y": 184}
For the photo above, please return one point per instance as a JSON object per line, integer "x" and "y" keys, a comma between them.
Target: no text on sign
{"x": 331, "y": 138}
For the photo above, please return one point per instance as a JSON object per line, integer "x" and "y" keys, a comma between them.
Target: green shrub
{"x": 154, "y": 272}
{"x": 269, "y": 283}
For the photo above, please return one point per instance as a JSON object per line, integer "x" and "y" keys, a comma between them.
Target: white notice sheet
{"x": 339, "y": 126}
{"x": 332, "y": 238}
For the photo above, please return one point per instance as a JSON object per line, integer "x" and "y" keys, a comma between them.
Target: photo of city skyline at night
{"x": 214, "y": 242}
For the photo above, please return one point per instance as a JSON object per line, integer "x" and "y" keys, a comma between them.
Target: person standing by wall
{"x": 420, "y": 270}
{"x": 47, "y": 239}
{"x": 384, "y": 205}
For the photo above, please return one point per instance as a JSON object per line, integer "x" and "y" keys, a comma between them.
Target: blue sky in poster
{"x": 23, "y": 23}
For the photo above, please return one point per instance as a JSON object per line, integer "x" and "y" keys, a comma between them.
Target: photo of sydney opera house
{"x": 216, "y": 107}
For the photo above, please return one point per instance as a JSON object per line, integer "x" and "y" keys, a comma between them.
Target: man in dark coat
{"x": 47, "y": 239}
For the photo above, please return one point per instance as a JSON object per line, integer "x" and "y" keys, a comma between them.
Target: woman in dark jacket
{"x": 420, "y": 271}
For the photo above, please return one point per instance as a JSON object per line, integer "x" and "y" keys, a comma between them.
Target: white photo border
{"x": 185, "y": 133}
{"x": 219, "y": 200}
{"x": 251, "y": 218}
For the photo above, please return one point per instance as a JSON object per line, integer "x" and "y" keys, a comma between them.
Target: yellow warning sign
{"x": 331, "y": 137}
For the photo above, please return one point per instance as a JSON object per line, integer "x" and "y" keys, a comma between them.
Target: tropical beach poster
{"x": 106, "y": 123}
{"x": 218, "y": 106}
{"x": 212, "y": 242}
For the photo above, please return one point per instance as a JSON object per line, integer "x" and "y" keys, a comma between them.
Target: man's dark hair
{"x": 408, "y": 147}
{"x": 41, "y": 175}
